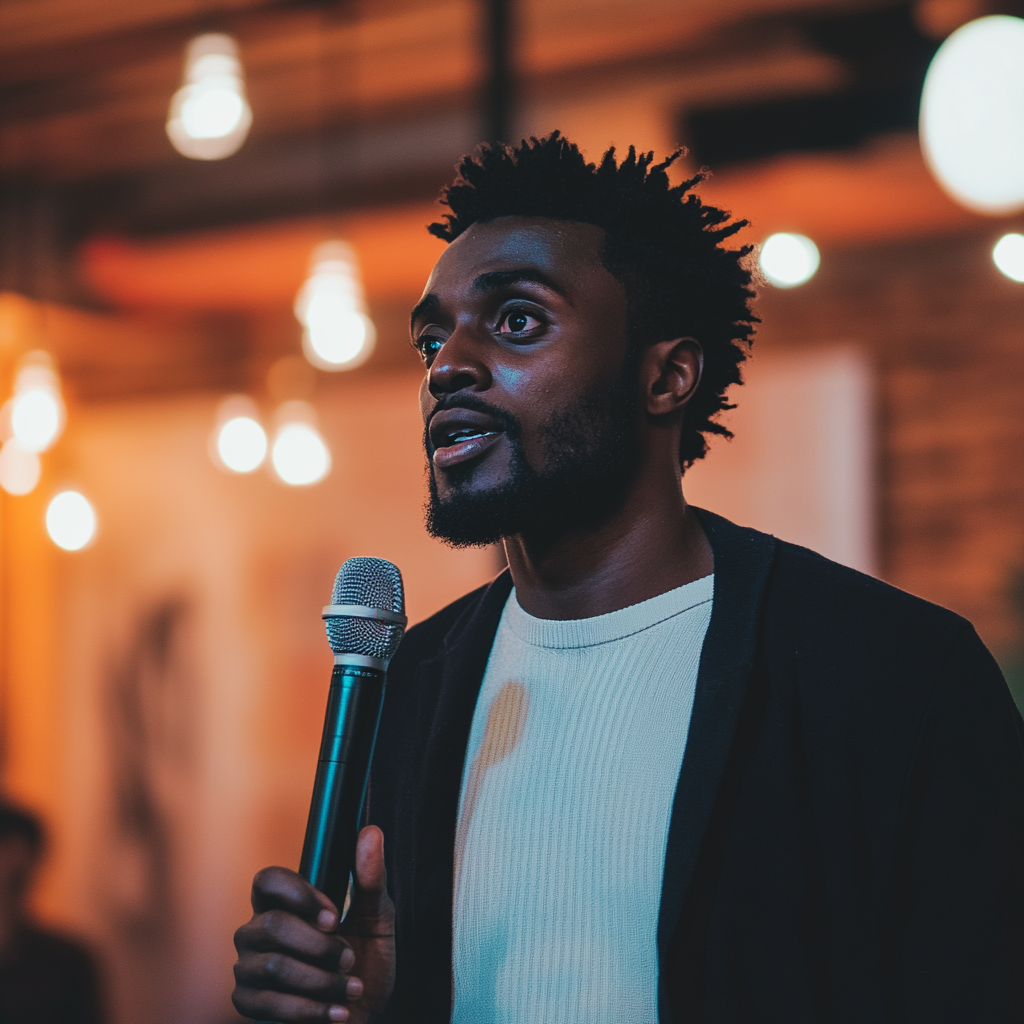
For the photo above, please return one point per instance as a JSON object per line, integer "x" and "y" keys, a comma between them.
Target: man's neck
{"x": 652, "y": 544}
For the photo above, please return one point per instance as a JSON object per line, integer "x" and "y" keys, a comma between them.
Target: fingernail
{"x": 338, "y": 1013}
{"x": 326, "y": 920}
{"x": 348, "y": 958}
{"x": 354, "y": 988}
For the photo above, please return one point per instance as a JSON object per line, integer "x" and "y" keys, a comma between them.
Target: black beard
{"x": 589, "y": 454}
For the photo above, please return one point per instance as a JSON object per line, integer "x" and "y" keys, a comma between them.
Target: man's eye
{"x": 429, "y": 347}
{"x": 517, "y": 322}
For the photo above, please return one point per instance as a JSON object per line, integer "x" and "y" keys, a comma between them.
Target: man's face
{"x": 530, "y": 397}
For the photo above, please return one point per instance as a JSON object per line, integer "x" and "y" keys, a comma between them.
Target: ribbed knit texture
{"x": 574, "y": 753}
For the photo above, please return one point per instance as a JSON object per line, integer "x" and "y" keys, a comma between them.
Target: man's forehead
{"x": 541, "y": 242}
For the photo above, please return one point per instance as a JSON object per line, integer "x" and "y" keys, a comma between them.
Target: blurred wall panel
{"x": 801, "y": 463}
{"x": 193, "y": 668}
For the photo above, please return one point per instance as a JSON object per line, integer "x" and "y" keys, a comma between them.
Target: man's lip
{"x": 447, "y": 422}
{"x": 463, "y": 451}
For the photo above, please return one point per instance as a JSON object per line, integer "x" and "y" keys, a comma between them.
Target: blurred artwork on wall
{"x": 194, "y": 670}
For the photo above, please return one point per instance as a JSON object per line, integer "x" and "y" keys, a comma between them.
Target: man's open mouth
{"x": 459, "y": 435}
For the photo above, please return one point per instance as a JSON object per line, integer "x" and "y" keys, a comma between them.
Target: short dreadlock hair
{"x": 661, "y": 242}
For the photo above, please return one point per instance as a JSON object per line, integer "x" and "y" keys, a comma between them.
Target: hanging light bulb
{"x": 238, "y": 441}
{"x": 972, "y": 115}
{"x": 210, "y": 115}
{"x": 34, "y": 417}
{"x": 331, "y": 307}
{"x": 299, "y": 454}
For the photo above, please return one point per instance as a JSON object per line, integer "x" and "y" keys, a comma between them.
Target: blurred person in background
{"x": 664, "y": 768}
{"x": 44, "y": 978}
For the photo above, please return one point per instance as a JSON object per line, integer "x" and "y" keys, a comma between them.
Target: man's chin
{"x": 464, "y": 514}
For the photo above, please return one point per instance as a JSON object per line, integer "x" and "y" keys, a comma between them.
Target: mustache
{"x": 509, "y": 423}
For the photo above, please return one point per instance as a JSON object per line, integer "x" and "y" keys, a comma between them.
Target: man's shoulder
{"x": 838, "y": 623}
{"x": 809, "y": 580}
{"x": 806, "y": 587}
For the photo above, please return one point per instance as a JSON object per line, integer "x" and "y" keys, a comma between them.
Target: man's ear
{"x": 670, "y": 373}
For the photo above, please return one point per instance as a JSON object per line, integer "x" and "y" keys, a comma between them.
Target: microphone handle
{"x": 339, "y": 792}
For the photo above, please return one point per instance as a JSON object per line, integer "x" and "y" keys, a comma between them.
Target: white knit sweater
{"x": 574, "y": 753}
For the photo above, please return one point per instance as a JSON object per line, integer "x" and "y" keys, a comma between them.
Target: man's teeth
{"x": 466, "y": 435}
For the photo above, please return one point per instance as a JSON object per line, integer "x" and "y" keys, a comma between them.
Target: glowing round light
{"x": 972, "y": 115}
{"x": 19, "y": 468}
{"x": 330, "y": 305}
{"x": 788, "y": 260}
{"x": 36, "y": 419}
{"x": 299, "y": 455}
{"x": 210, "y": 116}
{"x": 212, "y": 112}
{"x": 1008, "y": 255}
{"x": 336, "y": 336}
{"x": 70, "y": 521}
{"x": 242, "y": 444}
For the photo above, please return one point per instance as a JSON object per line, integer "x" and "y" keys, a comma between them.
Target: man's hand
{"x": 297, "y": 966}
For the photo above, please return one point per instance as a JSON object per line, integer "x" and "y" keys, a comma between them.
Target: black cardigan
{"x": 847, "y": 834}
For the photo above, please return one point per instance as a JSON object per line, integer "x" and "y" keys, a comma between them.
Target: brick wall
{"x": 945, "y": 331}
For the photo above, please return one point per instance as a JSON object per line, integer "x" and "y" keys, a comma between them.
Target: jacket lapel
{"x": 447, "y": 693}
{"x": 743, "y": 559}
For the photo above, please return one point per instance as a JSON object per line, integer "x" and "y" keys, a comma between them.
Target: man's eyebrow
{"x": 495, "y": 279}
{"x": 427, "y": 305}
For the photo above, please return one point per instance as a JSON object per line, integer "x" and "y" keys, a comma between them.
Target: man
{"x": 44, "y": 978}
{"x": 664, "y": 768}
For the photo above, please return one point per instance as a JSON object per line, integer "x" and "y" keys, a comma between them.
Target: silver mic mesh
{"x": 377, "y": 583}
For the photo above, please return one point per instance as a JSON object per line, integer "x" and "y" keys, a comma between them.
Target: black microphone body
{"x": 342, "y": 772}
{"x": 365, "y": 622}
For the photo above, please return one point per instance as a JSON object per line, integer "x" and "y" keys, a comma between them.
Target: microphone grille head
{"x": 377, "y": 583}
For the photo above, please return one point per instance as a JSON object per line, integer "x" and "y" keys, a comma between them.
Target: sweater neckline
{"x": 607, "y": 628}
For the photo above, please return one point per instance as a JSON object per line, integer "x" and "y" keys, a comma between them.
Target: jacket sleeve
{"x": 958, "y": 915}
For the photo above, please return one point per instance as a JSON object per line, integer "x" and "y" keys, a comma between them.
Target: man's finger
{"x": 261, "y": 1004}
{"x": 279, "y": 972}
{"x": 370, "y": 900}
{"x": 280, "y": 931}
{"x": 281, "y": 889}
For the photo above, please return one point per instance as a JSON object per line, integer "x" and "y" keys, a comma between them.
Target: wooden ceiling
{"x": 85, "y": 84}
{"x": 361, "y": 107}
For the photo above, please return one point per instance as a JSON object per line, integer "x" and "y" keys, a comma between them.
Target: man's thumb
{"x": 369, "y": 891}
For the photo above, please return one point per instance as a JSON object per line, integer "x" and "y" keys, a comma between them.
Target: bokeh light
{"x": 972, "y": 115}
{"x": 210, "y": 116}
{"x": 1008, "y": 256}
{"x": 330, "y": 305}
{"x": 70, "y": 521}
{"x": 19, "y": 468}
{"x": 36, "y": 419}
{"x": 242, "y": 444}
{"x": 299, "y": 455}
{"x": 36, "y": 414}
{"x": 788, "y": 260}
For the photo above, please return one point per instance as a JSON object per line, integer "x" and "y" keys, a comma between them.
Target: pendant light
{"x": 331, "y": 306}
{"x": 210, "y": 115}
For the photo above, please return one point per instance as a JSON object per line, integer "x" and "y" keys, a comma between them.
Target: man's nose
{"x": 458, "y": 366}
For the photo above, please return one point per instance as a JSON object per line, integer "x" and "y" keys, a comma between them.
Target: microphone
{"x": 365, "y": 622}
